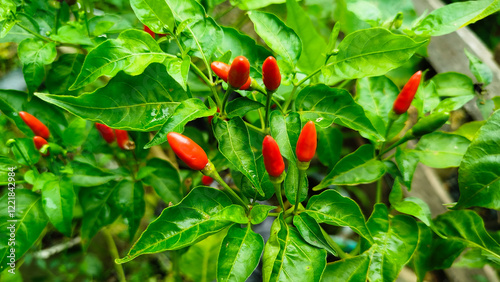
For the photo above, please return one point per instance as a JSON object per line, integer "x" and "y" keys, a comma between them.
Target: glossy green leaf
{"x": 165, "y": 180}
{"x": 239, "y": 254}
{"x": 129, "y": 198}
{"x": 63, "y": 73}
{"x": 75, "y": 33}
{"x": 409, "y": 205}
{"x": 6, "y": 163}
{"x": 452, "y": 84}
{"x": 250, "y": 191}
{"x": 313, "y": 43}
{"x": 7, "y": 8}
{"x": 332, "y": 208}
{"x": 287, "y": 256}
{"x": 376, "y": 95}
{"x": 155, "y": 14}
{"x": 58, "y": 200}
{"x": 407, "y": 164}
{"x": 349, "y": 270}
{"x": 76, "y": 133}
{"x": 312, "y": 233}
{"x": 451, "y": 17}
{"x": 330, "y": 145}
{"x": 204, "y": 211}
{"x": 255, "y": 4}
{"x": 141, "y": 103}
{"x": 187, "y": 111}
{"x": 325, "y": 105}
{"x": 441, "y": 150}
{"x": 468, "y": 227}
{"x": 453, "y": 103}
{"x": 242, "y": 44}
{"x": 355, "y": 168}
{"x": 34, "y": 55}
{"x": 241, "y": 106}
{"x": 479, "y": 172}
{"x": 30, "y": 221}
{"x": 25, "y": 151}
{"x": 469, "y": 129}
{"x": 369, "y": 52}
{"x": 479, "y": 69}
{"x": 426, "y": 98}
{"x": 259, "y": 213}
{"x": 234, "y": 144}
{"x": 132, "y": 52}
{"x": 395, "y": 241}
{"x": 279, "y": 37}
{"x": 88, "y": 175}
{"x": 199, "y": 263}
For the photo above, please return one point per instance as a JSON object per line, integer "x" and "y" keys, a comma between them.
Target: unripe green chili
{"x": 430, "y": 123}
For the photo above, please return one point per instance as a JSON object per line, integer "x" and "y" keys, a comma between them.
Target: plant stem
{"x": 175, "y": 266}
{"x": 275, "y": 214}
{"x": 208, "y": 82}
{"x": 261, "y": 117}
{"x": 228, "y": 93}
{"x": 35, "y": 171}
{"x": 34, "y": 33}
{"x": 289, "y": 100}
{"x": 277, "y": 189}
{"x": 302, "y": 174}
{"x": 378, "y": 198}
{"x": 334, "y": 245}
{"x": 114, "y": 253}
{"x": 268, "y": 108}
{"x": 225, "y": 12}
{"x": 217, "y": 178}
{"x": 399, "y": 142}
{"x": 255, "y": 128}
{"x": 308, "y": 77}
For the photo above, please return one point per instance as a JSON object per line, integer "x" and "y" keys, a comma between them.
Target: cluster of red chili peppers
{"x": 122, "y": 138}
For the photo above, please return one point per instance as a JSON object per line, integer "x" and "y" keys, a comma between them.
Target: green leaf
{"x": 129, "y": 197}
{"x": 313, "y": 43}
{"x": 7, "y": 8}
{"x": 453, "y": 103}
{"x": 451, "y": 17}
{"x": 395, "y": 241}
{"x": 349, "y": 270}
{"x": 407, "y": 163}
{"x": 279, "y": 37}
{"x": 155, "y": 14}
{"x": 409, "y": 205}
{"x": 239, "y": 254}
{"x": 241, "y": 106}
{"x": 311, "y": 231}
{"x": 31, "y": 221}
{"x": 132, "y": 52}
{"x": 325, "y": 105}
{"x": 199, "y": 263}
{"x": 259, "y": 213}
{"x": 6, "y": 163}
{"x": 376, "y": 95}
{"x": 330, "y": 145}
{"x": 452, "y": 84}
{"x": 479, "y": 171}
{"x": 200, "y": 214}
{"x": 255, "y": 4}
{"x": 187, "y": 111}
{"x": 25, "y": 151}
{"x": 165, "y": 180}
{"x": 249, "y": 190}
{"x": 244, "y": 45}
{"x": 88, "y": 175}
{"x": 141, "y": 103}
{"x": 34, "y": 55}
{"x": 234, "y": 144}
{"x": 479, "y": 69}
{"x": 369, "y": 52}
{"x": 426, "y": 99}
{"x": 441, "y": 150}
{"x": 332, "y": 208}
{"x": 469, "y": 129}
{"x": 468, "y": 227}
{"x": 73, "y": 33}
{"x": 76, "y": 133}
{"x": 58, "y": 200}
{"x": 287, "y": 256}
{"x": 63, "y": 73}
{"x": 355, "y": 168}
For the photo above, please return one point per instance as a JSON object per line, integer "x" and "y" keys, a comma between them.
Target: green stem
{"x": 229, "y": 91}
{"x": 334, "y": 245}
{"x": 34, "y": 33}
{"x": 225, "y": 12}
{"x": 85, "y": 16}
{"x": 289, "y": 100}
{"x": 255, "y": 128}
{"x": 217, "y": 178}
{"x": 261, "y": 117}
{"x": 208, "y": 82}
{"x": 275, "y": 214}
{"x": 35, "y": 170}
{"x": 56, "y": 24}
{"x": 399, "y": 142}
{"x": 302, "y": 174}
{"x": 114, "y": 253}
{"x": 389, "y": 126}
{"x": 175, "y": 266}
{"x": 308, "y": 77}
{"x": 268, "y": 107}
{"x": 378, "y": 198}
{"x": 277, "y": 189}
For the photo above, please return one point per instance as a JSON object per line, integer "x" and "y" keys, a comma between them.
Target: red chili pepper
{"x": 306, "y": 145}
{"x": 273, "y": 160}
{"x": 123, "y": 140}
{"x": 106, "y": 132}
{"x": 36, "y": 125}
{"x": 239, "y": 72}
{"x": 222, "y": 70}
{"x": 39, "y": 143}
{"x": 187, "y": 150}
{"x": 148, "y": 30}
{"x": 405, "y": 97}
{"x": 207, "y": 180}
{"x": 271, "y": 74}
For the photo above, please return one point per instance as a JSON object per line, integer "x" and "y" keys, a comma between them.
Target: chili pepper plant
{"x": 240, "y": 140}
